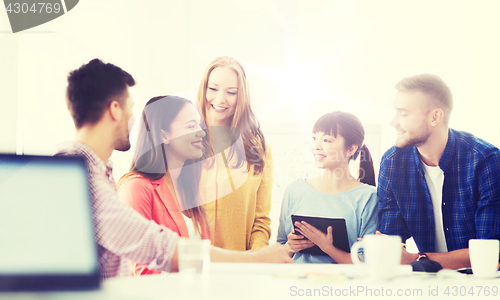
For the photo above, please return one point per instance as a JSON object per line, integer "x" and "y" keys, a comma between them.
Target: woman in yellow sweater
{"x": 162, "y": 184}
{"x": 237, "y": 183}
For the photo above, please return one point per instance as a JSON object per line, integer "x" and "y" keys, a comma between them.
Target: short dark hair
{"x": 91, "y": 89}
{"x": 434, "y": 87}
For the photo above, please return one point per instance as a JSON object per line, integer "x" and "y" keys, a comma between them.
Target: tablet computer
{"x": 46, "y": 226}
{"x": 339, "y": 231}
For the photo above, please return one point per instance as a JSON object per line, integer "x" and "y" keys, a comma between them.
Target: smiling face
{"x": 184, "y": 139}
{"x": 221, "y": 96}
{"x": 329, "y": 152}
{"x": 412, "y": 118}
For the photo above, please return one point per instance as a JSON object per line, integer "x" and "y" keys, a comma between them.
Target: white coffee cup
{"x": 194, "y": 258}
{"x": 483, "y": 256}
{"x": 382, "y": 255}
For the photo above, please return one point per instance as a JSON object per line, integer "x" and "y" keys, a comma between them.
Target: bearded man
{"x": 438, "y": 185}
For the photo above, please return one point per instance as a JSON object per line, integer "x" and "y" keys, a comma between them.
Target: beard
{"x": 123, "y": 145}
{"x": 122, "y": 138}
{"x": 416, "y": 138}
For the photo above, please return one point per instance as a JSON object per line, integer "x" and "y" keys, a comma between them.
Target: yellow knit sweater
{"x": 238, "y": 203}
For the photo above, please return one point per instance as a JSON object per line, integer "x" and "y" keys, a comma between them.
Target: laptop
{"x": 46, "y": 228}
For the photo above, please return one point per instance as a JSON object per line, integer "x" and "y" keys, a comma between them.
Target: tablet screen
{"x": 339, "y": 232}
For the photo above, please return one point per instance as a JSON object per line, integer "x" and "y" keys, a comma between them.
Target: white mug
{"x": 483, "y": 256}
{"x": 382, "y": 255}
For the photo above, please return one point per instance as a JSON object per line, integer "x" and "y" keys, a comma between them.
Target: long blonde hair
{"x": 243, "y": 119}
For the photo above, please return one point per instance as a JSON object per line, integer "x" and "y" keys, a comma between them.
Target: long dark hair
{"x": 150, "y": 158}
{"x": 349, "y": 127}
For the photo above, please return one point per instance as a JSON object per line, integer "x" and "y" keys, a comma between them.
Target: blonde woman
{"x": 162, "y": 184}
{"x": 237, "y": 183}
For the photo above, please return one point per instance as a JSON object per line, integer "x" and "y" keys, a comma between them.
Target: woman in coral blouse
{"x": 237, "y": 185}
{"x": 158, "y": 185}
{"x": 163, "y": 183}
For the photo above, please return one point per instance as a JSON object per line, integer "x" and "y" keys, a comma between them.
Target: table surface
{"x": 283, "y": 281}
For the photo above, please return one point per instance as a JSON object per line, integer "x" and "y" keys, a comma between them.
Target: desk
{"x": 273, "y": 281}
{"x": 280, "y": 281}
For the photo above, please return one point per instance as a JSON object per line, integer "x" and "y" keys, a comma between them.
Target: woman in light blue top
{"x": 336, "y": 140}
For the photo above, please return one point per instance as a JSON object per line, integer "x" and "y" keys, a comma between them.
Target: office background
{"x": 303, "y": 58}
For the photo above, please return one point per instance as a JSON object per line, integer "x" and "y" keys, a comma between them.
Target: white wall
{"x": 303, "y": 58}
{"x": 8, "y": 93}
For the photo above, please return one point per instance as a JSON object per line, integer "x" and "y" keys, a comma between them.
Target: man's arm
{"x": 449, "y": 260}
{"x": 488, "y": 205}
{"x": 174, "y": 264}
{"x": 390, "y": 219}
{"x": 487, "y": 212}
{"x": 125, "y": 233}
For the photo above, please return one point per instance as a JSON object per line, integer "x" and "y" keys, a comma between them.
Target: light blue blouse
{"x": 359, "y": 208}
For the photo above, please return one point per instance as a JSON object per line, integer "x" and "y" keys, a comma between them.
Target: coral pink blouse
{"x": 154, "y": 201}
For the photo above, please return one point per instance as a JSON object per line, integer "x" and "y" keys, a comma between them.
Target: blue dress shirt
{"x": 471, "y": 193}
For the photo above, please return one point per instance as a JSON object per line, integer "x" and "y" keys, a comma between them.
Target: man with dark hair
{"x": 99, "y": 102}
{"x": 91, "y": 90}
{"x": 438, "y": 185}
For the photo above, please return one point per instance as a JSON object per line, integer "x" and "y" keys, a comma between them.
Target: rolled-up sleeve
{"x": 124, "y": 232}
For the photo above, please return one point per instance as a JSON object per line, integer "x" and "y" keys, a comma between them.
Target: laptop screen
{"x": 46, "y": 227}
